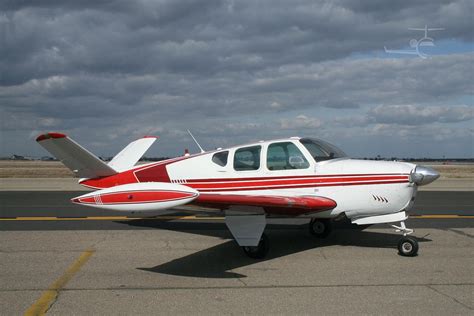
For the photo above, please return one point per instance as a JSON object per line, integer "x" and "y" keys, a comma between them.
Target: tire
{"x": 260, "y": 251}
{"x": 408, "y": 247}
{"x": 320, "y": 228}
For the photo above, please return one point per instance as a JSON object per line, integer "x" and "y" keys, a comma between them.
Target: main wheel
{"x": 408, "y": 247}
{"x": 259, "y": 251}
{"x": 320, "y": 228}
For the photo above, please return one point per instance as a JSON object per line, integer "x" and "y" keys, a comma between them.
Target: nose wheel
{"x": 407, "y": 246}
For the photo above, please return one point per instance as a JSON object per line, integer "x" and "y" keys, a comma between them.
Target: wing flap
{"x": 307, "y": 204}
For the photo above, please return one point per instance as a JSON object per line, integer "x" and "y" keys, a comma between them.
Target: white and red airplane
{"x": 292, "y": 177}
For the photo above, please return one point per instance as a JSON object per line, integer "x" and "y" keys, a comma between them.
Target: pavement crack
{"x": 282, "y": 286}
{"x": 98, "y": 242}
{"x": 322, "y": 253}
{"x": 448, "y": 296}
{"x": 54, "y": 300}
{"x": 242, "y": 281}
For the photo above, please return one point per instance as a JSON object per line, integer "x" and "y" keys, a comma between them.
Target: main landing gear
{"x": 407, "y": 246}
{"x": 320, "y": 228}
{"x": 259, "y": 251}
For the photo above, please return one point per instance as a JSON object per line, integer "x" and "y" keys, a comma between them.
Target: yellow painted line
{"x": 178, "y": 218}
{"x": 441, "y": 216}
{"x": 45, "y": 218}
{"x": 109, "y": 218}
{"x": 41, "y": 306}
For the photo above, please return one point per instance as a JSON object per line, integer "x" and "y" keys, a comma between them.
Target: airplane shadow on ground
{"x": 219, "y": 261}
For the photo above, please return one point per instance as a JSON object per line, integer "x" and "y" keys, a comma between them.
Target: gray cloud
{"x": 63, "y": 37}
{"x": 231, "y": 71}
{"x": 420, "y": 115}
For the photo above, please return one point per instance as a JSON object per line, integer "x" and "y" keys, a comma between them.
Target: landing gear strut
{"x": 259, "y": 251}
{"x": 407, "y": 246}
{"x": 320, "y": 228}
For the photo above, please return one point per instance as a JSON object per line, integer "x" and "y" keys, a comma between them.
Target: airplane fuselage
{"x": 360, "y": 187}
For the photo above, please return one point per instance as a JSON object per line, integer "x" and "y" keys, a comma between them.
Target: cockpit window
{"x": 321, "y": 150}
{"x": 285, "y": 155}
{"x": 220, "y": 158}
{"x": 247, "y": 158}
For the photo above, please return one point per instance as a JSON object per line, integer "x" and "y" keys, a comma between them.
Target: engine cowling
{"x": 145, "y": 196}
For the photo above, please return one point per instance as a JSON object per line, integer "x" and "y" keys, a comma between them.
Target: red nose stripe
{"x": 135, "y": 197}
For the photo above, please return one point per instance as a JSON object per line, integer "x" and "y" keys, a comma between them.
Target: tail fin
{"x": 85, "y": 164}
{"x": 82, "y": 162}
{"x": 129, "y": 156}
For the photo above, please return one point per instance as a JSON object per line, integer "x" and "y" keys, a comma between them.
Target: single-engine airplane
{"x": 292, "y": 177}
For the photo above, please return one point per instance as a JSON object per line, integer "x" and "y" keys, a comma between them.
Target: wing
{"x": 273, "y": 204}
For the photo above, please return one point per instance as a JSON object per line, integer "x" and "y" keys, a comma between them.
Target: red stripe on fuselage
{"x": 296, "y": 177}
{"x": 300, "y": 186}
{"x": 238, "y": 183}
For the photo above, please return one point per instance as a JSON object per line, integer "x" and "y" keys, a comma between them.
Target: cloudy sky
{"x": 108, "y": 72}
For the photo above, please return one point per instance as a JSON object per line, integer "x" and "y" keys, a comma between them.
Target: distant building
{"x": 19, "y": 157}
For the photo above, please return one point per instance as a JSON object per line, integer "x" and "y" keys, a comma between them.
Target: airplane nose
{"x": 423, "y": 175}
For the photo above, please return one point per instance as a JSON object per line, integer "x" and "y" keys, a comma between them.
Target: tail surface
{"x": 130, "y": 155}
{"x": 85, "y": 164}
{"x": 82, "y": 162}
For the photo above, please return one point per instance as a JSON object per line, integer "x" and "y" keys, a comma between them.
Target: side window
{"x": 220, "y": 158}
{"x": 283, "y": 156}
{"x": 247, "y": 158}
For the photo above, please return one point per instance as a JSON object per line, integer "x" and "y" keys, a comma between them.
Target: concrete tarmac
{"x": 168, "y": 272}
{"x": 192, "y": 266}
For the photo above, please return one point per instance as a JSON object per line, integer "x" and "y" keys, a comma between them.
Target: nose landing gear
{"x": 407, "y": 246}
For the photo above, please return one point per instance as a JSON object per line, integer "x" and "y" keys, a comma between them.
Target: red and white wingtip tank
{"x": 285, "y": 177}
{"x": 140, "y": 197}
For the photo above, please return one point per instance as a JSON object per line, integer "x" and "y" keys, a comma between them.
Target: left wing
{"x": 273, "y": 204}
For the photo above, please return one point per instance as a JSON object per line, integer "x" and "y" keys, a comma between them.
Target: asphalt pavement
{"x": 64, "y": 259}
{"x": 37, "y": 204}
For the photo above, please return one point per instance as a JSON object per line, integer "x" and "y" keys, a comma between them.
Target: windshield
{"x": 321, "y": 150}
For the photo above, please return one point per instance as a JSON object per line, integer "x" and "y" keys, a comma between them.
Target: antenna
{"x": 202, "y": 150}
{"x": 426, "y": 28}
